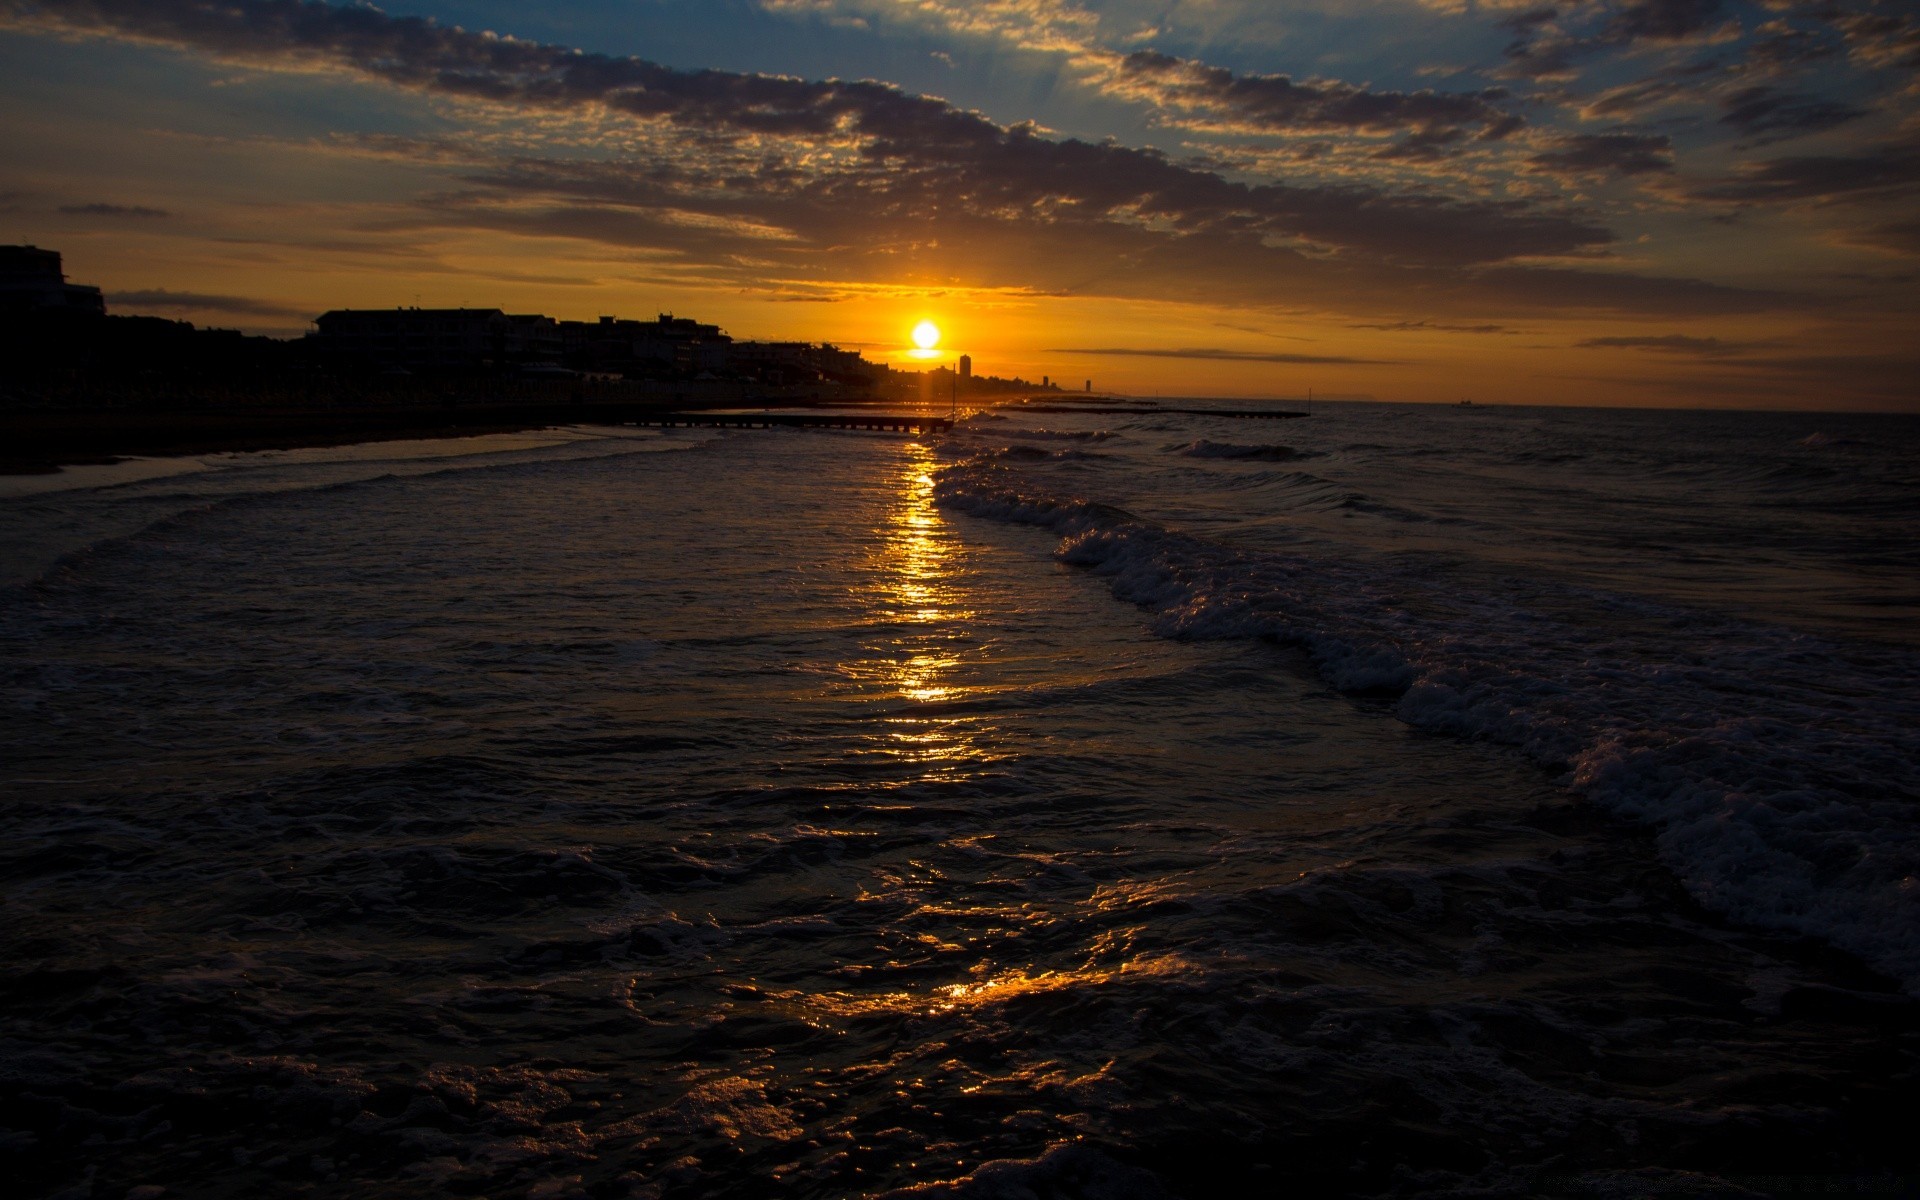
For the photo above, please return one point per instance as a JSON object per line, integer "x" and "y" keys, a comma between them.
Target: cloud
{"x": 201, "y": 302}
{"x": 113, "y": 210}
{"x": 869, "y": 144}
{"x": 1552, "y": 40}
{"x": 1877, "y": 39}
{"x": 725, "y": 180}
{"x": 1662, "y": 20}
{"x": 1607, "y": 154}
{"x": 1434, "y": 326}
{"x": 1193, "y": 95}
{"x": 1215, "y": 98}
{"x": 1667, "y": 344}
{"x": 1762, "y": 110}
{"x": 1887, "y": 169}
{"x": 1900, "y": 237}
{"x": 1246, "y": 356}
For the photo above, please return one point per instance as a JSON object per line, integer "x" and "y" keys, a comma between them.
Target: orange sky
{"x": 1664, "y": 202}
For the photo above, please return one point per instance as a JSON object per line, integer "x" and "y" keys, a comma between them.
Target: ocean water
{"x": 1404, "y": 801}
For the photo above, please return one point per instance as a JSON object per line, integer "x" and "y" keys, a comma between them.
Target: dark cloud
{"x": 1434, "y": 326}
{"x": 1890, "y": 168}
{"x": 911, "y": 154}
{"x": 1901, "y": 237}
{"x": 201, "y": 302}
{"x": 1662, "y": 20}
{"x": 834, "y": 243}
{"x": 1252, "y": 356}
{"x": 1545, "y": 48}
{"x": 1631, "y": 99}
{"x": 1878, "y": 38}
{"x": 1276, "y": 104}
{"x": 1529, "y": 19}
{"x": 1783, "y": 45}
{"x": 1607, "y": 154}
{"x": 1762, "y": 110}
{"x": 113, "y": 210}
{"x": 1669, "y": 344}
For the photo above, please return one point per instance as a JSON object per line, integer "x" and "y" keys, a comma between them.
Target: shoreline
{"x": 43, "y": 441}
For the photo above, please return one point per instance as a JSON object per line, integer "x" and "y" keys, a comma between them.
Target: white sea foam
{"x": 1777, "y": 768}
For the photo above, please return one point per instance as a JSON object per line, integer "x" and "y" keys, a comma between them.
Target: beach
{"x": 1403, "y": 801}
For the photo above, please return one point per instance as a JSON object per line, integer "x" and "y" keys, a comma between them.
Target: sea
{"x": 1094, "y": 801}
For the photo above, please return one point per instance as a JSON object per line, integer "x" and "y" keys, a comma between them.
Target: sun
{"x": 926, "y": 335}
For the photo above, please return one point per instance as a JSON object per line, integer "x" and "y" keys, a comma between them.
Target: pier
{"x": 1142, "y": 410}
{"x": 882, "y": 422}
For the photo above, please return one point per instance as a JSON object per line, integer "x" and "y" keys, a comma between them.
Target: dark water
{"x": 1084, "y": 806}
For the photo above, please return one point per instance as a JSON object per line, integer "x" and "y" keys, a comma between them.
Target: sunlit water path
{"x": 793, "y": 814}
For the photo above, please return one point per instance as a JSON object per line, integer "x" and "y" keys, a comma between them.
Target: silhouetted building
{"x": 31, "y": 281}
{"x": 846, "y": 366}
{"x": 438, "y": 339}
{"x": 667, "y": 345}
{"x": 966, "y": 367}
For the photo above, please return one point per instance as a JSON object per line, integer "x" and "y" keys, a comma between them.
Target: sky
{"x": 1699, "y": 203}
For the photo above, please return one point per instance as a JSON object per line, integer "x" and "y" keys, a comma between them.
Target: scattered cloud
{"x": 1552, "y": 40}
{"x": 1763, "y": 110}
{"x": 162, "y": 298}
{"x": 113, "y": 210}
{"x": 1886, "y": 169}
{"x": 1600, "y": 154}
{"x": 1899, "y": 237}
{"x": 1214, "y": 98}
{"x": 869, "y": 144}
{"x": 1434, "y": 327}
{"x": 1475, "y": 207}
{"x": 1672, "y": 343}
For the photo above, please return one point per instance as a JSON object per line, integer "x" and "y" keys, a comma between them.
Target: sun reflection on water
{"x": 921, "y": 623}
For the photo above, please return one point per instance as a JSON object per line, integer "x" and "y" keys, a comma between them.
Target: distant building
{"x": 966, "y": 367}
{"x": 776, "y": 362}
{"x": 532, "y": 338}
{"x": 31, "y": 281}
{"x": 667, "y": 345}
{"x": 846, "y": 366}
{"x": 438, "y": 339}
{"x": 803, "y": 363}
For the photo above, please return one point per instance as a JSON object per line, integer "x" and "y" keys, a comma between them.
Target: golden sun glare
{"x": 926, "y": 335}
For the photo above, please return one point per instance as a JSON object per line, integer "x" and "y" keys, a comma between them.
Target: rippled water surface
{"x": 1083, "y": 805}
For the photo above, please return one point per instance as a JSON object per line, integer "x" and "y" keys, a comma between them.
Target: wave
{"x": 1229, "y": 450}
{"x": 1057, "y": 435}
{"x": 1776, "y": 769}
{"x": 168, "y": 504}
{"x": 1040, "y": 454}
{"x": 1821, "y": 441}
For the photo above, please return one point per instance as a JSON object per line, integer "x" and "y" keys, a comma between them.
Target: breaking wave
{"x": 1229, "y": 450}
{"x": 1775, "y": 767}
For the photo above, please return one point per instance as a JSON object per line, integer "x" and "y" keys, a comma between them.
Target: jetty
{"x": 1272, "y": 414}
{"x": 885, "y": 422}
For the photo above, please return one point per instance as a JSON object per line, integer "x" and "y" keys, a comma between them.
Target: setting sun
{"x": 926, "y": 335}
